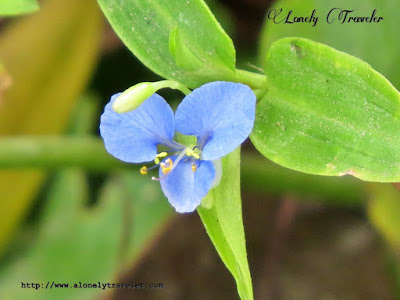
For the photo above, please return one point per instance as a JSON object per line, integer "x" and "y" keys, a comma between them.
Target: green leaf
{"x": 382, "y": 51}
{"x": 224, "y": 224}
{"x": 177, "y": 39}
{"x": 84, "y": 119}
{"x": 115, "y": 231}
{"x": 384, "y": 212}
{"x": 328, "y": 113}
{"x": 184, "y": 57}
{"x": 87, "y": 244}
{"x": 17, "y": 7}
{"x": 74, "y": 239}
{"x": 146, "y": 211}
{"x": 49, "y": 57}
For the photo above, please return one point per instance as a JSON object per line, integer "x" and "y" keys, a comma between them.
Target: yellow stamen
{"x": 190, "y": 152}
{"x": 158, "y": 156}
{"x": 194, "y": 168}
{"x": 166, "y": 167}
{"x": 143, "y": 170}
{"x": 162, "y": 154}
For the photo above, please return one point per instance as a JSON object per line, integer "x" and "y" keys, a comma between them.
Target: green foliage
{"x": 49, "y": 57}
{"x": 267, "y": 178}
{"x": 81, "y": 244}
{"x": 224, "y": 225}
{"x": 384, "y": 212}
{"x": 322, "y": 112}
{"x": 71, "y": 243}
{"x": 173, "y": 38}
{"x": 375, "y": 43}
{"x": 16, "y": 7}
{"x": 146, "y": 211}
{"x": 178, "y": 45}
{"x": 55, "y": 152}
{"x": 74, "y": 237}
{"x": 328, "y": 113}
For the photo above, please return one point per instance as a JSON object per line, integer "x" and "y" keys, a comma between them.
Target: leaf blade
{"x": 72, "y": 234}
{"x": 146, "y": 26}
{"x": 338, "y": 35}
{"x": 313, "y": 117}
{"x": 224, "y": 224}
{"x": 17, "y": 7}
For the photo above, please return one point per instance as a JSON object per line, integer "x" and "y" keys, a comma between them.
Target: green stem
{"x": 259, "y": 93}
{"x": 258, "y": 174}
{"x": 172, "y": 85}
{"x": 255, "y": 81}
{"x": 54, "y": 152}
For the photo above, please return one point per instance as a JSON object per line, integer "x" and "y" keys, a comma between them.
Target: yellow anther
{"x": 161, "y": 154}
{"x": 143, "y": 170}
{"x": 194, "y": 168}
{"x": 166, "y": 167}
{"x": 190, "y": 152}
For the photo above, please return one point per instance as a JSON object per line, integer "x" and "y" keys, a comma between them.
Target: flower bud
{"x": 131, "y": 98}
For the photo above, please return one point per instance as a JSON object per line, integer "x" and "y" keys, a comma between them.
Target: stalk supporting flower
{"x": 219, "y": 114}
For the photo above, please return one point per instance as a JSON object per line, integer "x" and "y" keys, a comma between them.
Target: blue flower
{"x": 221, "y": 116}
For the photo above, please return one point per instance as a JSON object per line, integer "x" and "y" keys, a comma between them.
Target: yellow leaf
{"x": 384, "y": 212}
{"x": 50, "y": 56}
{"x": 5, "y": 81}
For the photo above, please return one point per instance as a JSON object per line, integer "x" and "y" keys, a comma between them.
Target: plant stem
{"x": 258, "y": 174}
{"x": 172, "y": 84}
{"x": 259, "y": 93}
{"x": 254, "y": 80}
{"x": 54, "y": 152}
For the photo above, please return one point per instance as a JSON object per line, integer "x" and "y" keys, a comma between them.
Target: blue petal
{"x": 221, "y": 114}
{"x": 133, "y": 136}
{"x": 185, "y": 188}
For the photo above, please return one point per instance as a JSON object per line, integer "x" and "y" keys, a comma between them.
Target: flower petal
{"x": 185, "y": 188}
{"x": 133, "y": 136}
{"x": 221, "y": 114}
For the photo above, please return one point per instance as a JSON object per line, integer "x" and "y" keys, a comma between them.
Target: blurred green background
{"x": 70, "y": 213}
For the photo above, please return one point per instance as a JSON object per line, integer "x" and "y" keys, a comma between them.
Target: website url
{"x": 95, "y": 285}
